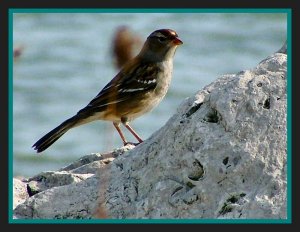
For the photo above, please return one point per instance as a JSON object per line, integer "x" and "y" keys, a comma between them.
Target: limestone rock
{"x": 70, "y": 192}
{"x": 19, "y": 191}
{"x": 222, "y": 155}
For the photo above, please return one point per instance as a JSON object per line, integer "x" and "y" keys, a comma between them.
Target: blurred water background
{"x": 66, "y": 61}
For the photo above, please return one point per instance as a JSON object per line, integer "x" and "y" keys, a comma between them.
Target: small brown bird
{"x": 135, "y": 90}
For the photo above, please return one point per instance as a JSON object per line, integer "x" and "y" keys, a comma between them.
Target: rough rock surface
{"x": 222, "y": 155}
{"x": 70, "y": 192}
{"x": 19, "y": 192}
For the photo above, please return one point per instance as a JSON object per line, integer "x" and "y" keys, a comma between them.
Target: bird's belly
{"x": 150, "y": 101}
{"x": 143, "y": 108}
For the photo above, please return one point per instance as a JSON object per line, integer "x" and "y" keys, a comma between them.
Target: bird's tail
{"x": 48, "y": 139}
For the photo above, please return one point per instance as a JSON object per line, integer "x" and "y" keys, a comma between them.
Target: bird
{"x": 124, "y": 45}
{"x": 136, "y": 89}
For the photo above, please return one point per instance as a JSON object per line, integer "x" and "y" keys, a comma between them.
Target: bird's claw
{"x": 131, "y": 143}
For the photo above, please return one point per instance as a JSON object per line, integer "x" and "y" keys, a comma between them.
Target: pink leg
{"x": 133, "y": 132}
{"x": 117, "y": 126}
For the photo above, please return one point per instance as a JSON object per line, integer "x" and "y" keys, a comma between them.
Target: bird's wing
{"x": 124, "y": 86}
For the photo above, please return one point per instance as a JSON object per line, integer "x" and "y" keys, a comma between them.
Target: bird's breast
{"x": 164, "y": 78}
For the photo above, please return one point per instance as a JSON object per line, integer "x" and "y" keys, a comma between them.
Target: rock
{"x": 222, "y": 155}
{"x": 283, "y": 49}
{"x": 70, "y": 192}
{"x": 20, "y": 191}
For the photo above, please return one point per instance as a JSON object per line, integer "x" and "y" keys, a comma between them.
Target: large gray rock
{"x": 222, "y": 155}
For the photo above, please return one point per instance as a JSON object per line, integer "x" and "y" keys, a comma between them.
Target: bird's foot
{"x": 131, "y": 143}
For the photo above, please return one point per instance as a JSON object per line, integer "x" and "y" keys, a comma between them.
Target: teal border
{"x": 10, "y": 116}
{"x": 150, "y": 10}
{"x": 289, "y": 116}
{"x": 288, "y": 11}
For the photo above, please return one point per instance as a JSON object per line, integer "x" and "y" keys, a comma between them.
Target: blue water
{"x": 67, "y": 60}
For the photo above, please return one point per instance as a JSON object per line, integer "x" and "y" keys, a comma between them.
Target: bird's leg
{"x": 117, "y": 126}
{"x": 133, "y": 132}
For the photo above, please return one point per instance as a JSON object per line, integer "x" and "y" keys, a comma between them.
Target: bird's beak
{"x": 177, "y": 41}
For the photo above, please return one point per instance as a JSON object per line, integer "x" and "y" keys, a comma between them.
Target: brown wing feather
{"x": 124, "y": 86}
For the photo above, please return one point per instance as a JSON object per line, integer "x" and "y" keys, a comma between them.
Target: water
{"x": 66, "y": 61}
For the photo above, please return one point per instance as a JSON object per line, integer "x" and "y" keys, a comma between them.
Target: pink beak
{"x": 177, "y": 41}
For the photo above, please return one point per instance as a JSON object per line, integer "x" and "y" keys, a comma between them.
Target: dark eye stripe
{"x": 160, "y": 38}
{"x": 159, "y": 35}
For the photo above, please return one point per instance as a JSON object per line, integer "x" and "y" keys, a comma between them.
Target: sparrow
{"x": 138, "y": 87}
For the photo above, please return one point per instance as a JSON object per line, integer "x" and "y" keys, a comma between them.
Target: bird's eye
{"x": 162, "y": 39}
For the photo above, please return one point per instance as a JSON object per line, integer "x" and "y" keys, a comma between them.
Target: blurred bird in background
{"x": 125, "y": 45}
